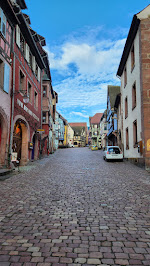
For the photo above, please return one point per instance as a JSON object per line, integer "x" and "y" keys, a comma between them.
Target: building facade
{"x": 80, "y": 134}
{"x": 95, "y": 129}
{"x": 8, "y": 20}
{"x": 112, "y": 128}
{"x": 134, "y": 72}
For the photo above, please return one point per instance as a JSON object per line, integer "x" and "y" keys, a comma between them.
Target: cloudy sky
{"x": 85, "y": 41}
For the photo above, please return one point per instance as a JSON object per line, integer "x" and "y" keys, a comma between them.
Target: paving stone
{"x": 61, "y": 213}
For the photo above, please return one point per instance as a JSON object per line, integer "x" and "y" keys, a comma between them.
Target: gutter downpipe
{"x": 12, "y": 102}
{"x": 40, "y": 155}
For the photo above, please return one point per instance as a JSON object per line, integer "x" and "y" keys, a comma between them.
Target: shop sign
{"x": 30, "y": 145}
{"x": 148, "y": 145}
{"x": 40, "y": 130}
{"x": 26, "y": 109}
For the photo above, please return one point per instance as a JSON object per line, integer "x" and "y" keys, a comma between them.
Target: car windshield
{"x": 114, "y": 150}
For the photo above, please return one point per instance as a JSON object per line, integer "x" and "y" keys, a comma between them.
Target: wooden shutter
{"x": 6, "y": 77}
{"x": 27, "y": 52}
{"x": 18, "y": 35}
{"x": 39, "y": 74}
{"x": 34, "y": 64}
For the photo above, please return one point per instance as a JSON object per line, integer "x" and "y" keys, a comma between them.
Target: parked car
{"x": 113, "y": 153}
{"x": 94, "y": 148}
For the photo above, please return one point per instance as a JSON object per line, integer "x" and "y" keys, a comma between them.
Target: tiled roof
{"x": 79, "y": 124}
{"x": 96, "y": 118}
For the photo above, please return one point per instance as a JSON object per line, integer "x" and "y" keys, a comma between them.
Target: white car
{"x": 113, "y": 153}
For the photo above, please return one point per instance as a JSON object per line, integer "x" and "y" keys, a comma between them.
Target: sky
{"x": 84, "y": 41}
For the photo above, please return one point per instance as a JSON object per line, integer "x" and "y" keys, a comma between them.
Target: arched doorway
{"x": 34, "y": 154}
{"x": 20, "y": 141}
{"x": 3, "y": 139}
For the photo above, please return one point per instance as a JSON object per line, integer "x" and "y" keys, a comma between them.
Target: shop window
{"x": 44, "y": 117}
{"x": 35, "y": 100}
{"x": 125, "y": 76}
{"x": 126, "y": 107}
{"x": 1, "y": 74}
{"x": 30, "y": 92}
{"x": 132, "y": 58}
{"x": 127, "y": 138}
{"x": 135, "y": 142}
{"x": 2, "y": 23}
{"x": 22, "y": 82}
{"x": 134, "y": 96}
{"x": 44, "y": 91}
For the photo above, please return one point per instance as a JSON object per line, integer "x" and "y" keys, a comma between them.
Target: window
{"x": 35, "y": 100}
{"x": 30, "y": 92}
{"x": 126, "y": 107}
{"x": 1, "y": 74}
{"x": 30, "y": 60}
{"x": 125, "y": 76}
{"x": 135, "y": 142}
{"x": 22, "y": 82}
{"x": 44, "y": 91}
{"x": 44, "y": 117}
{"x": 132, "y": 58}
{"x": 36, "y": 70}
{"x": 127, "y": 139}
{"x": 134, "y": 96}
{"x": 2, "y": 23}
{"x": 22, "y": 44}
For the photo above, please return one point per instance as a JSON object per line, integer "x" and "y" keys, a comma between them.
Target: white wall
{"x": 134, "y": 114}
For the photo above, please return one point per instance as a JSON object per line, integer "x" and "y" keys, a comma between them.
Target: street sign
{"x": 40, "y": 130}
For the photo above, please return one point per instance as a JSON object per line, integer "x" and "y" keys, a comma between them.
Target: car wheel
{"x": 104, "y": 158}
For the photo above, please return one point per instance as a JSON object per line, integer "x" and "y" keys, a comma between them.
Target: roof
{"x": 78, "y": 127}
{"x": 78, "y": 124}
{"x": 112, "y": 92}
{"x": 131, "y": 36}
{"x": 96, "y": 118}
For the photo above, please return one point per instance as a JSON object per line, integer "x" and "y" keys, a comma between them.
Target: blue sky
{"x": 85, "y": 41}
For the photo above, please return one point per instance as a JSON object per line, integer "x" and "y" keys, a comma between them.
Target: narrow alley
{"x": 74, "y": 208}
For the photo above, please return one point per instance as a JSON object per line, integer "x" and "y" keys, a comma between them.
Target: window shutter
{"x": 39, "y": 72}
{"x": 27, "y": 52}
{"x": 18, "y": 35}
{"x": 34, "y": 63}
{"x": 6, "y": 78}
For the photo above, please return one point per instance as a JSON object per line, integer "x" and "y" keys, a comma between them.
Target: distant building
{"x": 112, "y": 93}
{"x": 103, "y": 129}
{"x": 70, "y": 136}
{"x": 95, "y": 129}
{"x": 80, "y": 134}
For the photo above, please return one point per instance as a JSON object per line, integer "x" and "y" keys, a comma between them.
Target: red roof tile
{"x": 96, "y": 118}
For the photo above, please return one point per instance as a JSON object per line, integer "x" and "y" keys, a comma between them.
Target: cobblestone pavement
{"x": 73, "y": 208}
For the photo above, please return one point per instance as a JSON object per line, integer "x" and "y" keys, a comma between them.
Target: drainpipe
{"x": 40, "y": 155}
{"x": 12, "y": 100}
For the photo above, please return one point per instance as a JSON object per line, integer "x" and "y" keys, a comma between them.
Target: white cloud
{"x": 80, "y": 114}
{"x": 84, "y": 67}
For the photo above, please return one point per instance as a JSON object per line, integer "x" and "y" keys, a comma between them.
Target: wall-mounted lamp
{"x": 25, "y": 95}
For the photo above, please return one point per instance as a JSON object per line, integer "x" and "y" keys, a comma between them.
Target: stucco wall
{"x": 135, "y": 114}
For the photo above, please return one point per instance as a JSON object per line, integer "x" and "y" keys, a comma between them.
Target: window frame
{"x": 134, "y": 98}
{"x": 126, "y": 107}
{"x": 127, "y": 138}
{"x": 135, "y": 136}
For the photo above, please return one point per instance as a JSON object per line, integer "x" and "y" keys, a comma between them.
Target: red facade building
{"x": 26, "y": 91}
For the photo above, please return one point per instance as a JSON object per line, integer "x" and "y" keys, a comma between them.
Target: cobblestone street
{"x": 74, "y": 208}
